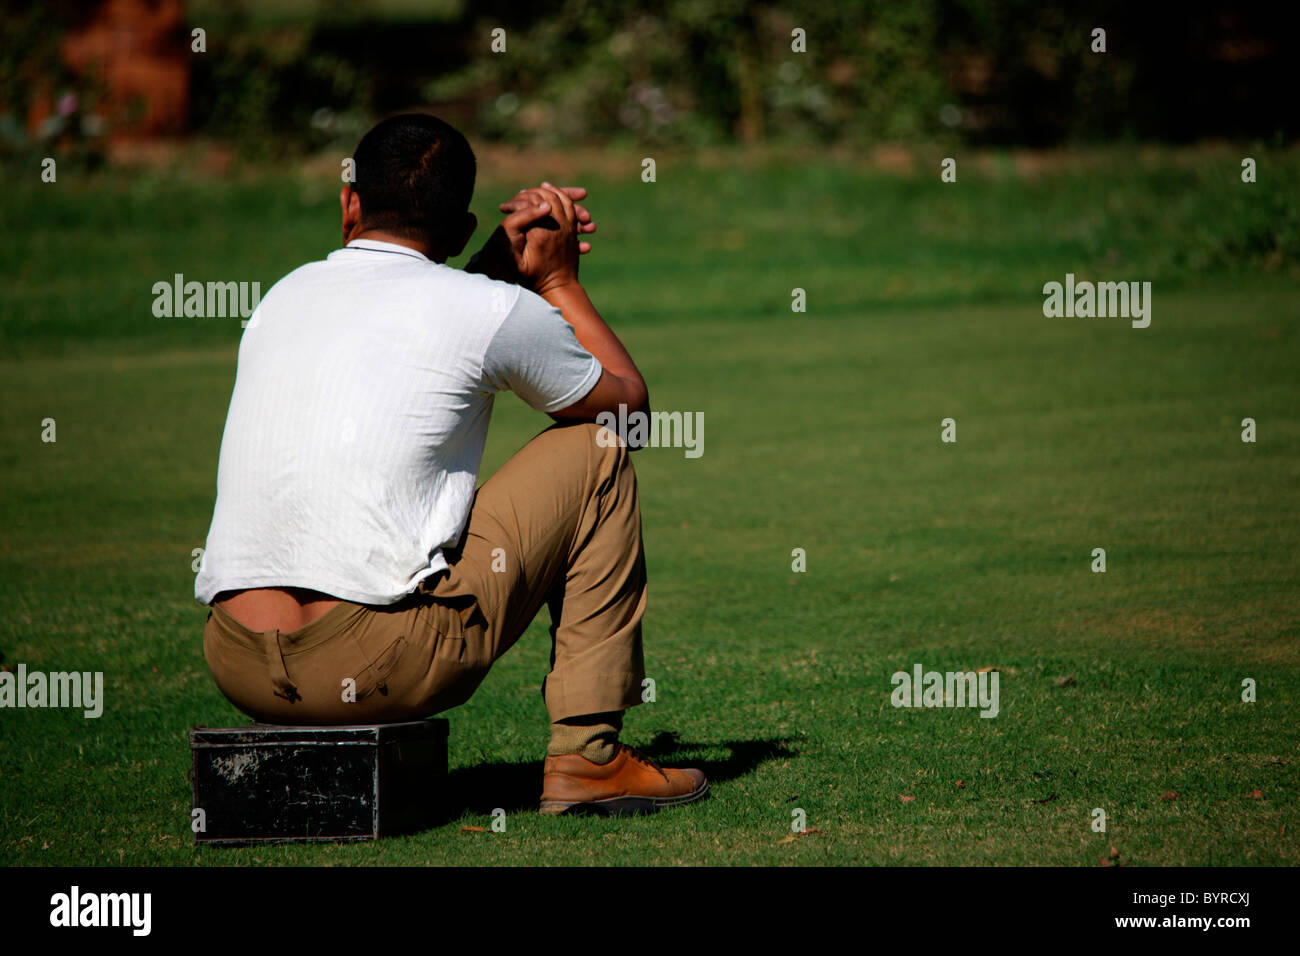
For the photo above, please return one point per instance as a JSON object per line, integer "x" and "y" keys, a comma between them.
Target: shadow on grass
{"x": 518, "y": 786}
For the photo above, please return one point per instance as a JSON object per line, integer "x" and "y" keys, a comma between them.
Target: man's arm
{"x": 620, "y": 382}
{"x": 544, "y": 235}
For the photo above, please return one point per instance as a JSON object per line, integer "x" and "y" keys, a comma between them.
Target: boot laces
{"x": 639, "y": 757}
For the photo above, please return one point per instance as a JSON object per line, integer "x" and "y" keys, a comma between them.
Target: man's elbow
{"x": 619, "y": 396}
{"x": 639, "y": 397}
{"x": 629, "y": 395}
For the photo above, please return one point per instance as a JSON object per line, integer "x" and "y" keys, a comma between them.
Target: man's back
{"x": 359, "y": 415}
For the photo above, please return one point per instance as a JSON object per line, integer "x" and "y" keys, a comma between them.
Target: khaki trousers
{"x": 559, "y": 524}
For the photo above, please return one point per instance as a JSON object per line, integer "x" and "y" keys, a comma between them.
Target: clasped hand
{"x": 540, "y": 239}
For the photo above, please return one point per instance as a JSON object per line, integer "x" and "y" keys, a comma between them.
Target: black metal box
{"x": 268, "y": 783}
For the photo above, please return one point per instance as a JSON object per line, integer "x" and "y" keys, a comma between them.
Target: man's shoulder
{"x": 482, "y": 285}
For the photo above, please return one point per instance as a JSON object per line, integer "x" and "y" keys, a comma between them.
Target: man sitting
{"x": 354, "y": 574}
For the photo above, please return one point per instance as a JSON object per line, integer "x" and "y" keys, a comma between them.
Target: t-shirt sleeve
{"x": 536, "y": 354}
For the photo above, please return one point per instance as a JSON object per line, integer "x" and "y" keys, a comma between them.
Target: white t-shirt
{"x": 358, "y": 419}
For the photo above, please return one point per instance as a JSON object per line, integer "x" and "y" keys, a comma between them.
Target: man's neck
{"x": 379, "y": 235}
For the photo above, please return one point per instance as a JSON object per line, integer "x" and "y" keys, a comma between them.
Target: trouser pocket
{"x": 374, "y": 670}
{"x": 343, "y": 676}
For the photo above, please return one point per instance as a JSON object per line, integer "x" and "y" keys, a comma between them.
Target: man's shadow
{"x": 515, "y": 787}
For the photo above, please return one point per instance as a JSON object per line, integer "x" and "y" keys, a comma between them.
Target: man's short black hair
{"x": 415, "y": 176}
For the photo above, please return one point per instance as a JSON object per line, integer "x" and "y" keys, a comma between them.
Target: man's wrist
{"x": 557, "y": 284}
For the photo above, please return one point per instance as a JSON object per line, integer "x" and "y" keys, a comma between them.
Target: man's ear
{"x": 471, "y": 223}
{"x": 350, "y": 204}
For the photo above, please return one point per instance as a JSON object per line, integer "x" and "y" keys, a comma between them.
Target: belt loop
{"x": 275, "y": 664}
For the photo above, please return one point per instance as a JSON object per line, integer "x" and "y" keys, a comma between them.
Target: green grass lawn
{"x": 822, "y": 432}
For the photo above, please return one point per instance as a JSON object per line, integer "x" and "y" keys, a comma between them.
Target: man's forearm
{"x": 593, "y": 333}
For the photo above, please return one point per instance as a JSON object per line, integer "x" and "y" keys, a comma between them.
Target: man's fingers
{"x": 515, "y": 202}
{"x": 573, "y": 192}
{"x": 564, "y": 205}
{"x": 515, "y": 223}
{"x": 585, "y": 225}
{"x": 525, "y": 197}
{"x": 537, "y": 194}
{"x": 531, "y": 196}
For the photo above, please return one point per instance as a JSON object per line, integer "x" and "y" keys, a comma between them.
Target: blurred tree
{"x": 281, "y": 76}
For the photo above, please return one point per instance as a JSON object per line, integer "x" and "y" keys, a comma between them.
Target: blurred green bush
{"x": 286, "y": 76}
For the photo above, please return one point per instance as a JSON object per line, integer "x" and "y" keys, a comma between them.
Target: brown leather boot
{"x": 630, "y": 783}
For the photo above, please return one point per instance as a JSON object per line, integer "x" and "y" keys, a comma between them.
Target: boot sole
{"x": 622, "y": 806}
